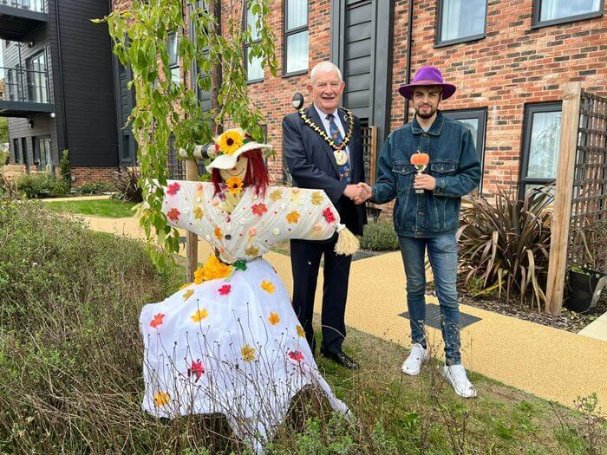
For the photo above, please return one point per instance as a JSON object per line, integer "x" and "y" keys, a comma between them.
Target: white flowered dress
{"x": 233, "y": 345}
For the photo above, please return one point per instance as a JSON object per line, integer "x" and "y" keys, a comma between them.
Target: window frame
{"x": 35, "y": 76}
{"x": 174, "y": 65}
{"x": 536, "y": 22}
{"x": 290, "y": 32}
{"x": 439, "y": 28}
{"x": 17, "y": 151}
{"x": 246, "y": 53}
{"x": 530, "y": 109}
{"x": 479, "y": 114}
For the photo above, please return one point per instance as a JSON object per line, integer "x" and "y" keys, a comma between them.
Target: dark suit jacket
{"x": 311, "y": 163}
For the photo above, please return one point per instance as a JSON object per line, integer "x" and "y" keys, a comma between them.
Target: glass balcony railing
{"x": 38, "y": 6}
{"x": 26, "y": 86}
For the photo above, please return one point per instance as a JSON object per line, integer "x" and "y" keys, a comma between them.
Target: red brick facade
{"x": 514, "y": 65}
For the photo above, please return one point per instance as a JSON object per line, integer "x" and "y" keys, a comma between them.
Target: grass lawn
{"x": 110, "y": 208}
{"x": 423, "y": 415}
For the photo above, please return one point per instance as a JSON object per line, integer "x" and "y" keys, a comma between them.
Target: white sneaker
{"x": 456, "y": 375}
{"x": 417, "y": 356}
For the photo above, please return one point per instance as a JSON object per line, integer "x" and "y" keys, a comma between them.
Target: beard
{"x": 425, "y": 115}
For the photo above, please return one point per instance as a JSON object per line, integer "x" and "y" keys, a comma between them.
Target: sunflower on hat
{"x": 229, "y": 145}
{"x": 230, "y": 141}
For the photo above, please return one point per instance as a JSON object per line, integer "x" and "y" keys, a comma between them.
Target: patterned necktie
{"x": 344, "y": 170}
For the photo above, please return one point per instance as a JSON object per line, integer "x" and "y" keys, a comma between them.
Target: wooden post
{"x": 191, "y": 173}
{"x": 559, "y": 240}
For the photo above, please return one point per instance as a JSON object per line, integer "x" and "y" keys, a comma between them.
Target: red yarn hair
{"x": 256, "y": 174}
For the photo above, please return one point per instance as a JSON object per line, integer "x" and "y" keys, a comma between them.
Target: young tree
{"x": 167, "y": 106}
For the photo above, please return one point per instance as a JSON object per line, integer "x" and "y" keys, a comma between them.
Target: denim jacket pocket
{"x": 404, "y": 173}
{"x": 441, "y": 168}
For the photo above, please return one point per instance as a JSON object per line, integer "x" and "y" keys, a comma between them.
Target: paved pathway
{"x": 550, "y": 363}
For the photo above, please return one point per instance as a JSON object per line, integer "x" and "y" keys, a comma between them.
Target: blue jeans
{"x": 442, "y": 252}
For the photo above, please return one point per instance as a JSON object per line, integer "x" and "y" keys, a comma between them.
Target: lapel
{"x": 312, "y": 114}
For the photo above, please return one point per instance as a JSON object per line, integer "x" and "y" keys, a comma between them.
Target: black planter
{"x": 581, "y": 289}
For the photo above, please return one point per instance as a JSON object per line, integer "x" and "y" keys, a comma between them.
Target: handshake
{"x": 359, "y": 192}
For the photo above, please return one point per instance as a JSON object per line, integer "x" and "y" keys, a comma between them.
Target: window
{"x": 541, "y": 141}
{"x": 17, "y": 152}
{"x": 200, "y": 78}
{"x": 461, "y": 20}
{"x": 37, "y": 82}
{"x": 549, "y": 12}
{"x": 253, "y": 65}
{"x": 42, "y": 151}
{"x": 476, "y": 121}
{"x": 172, "y": 46}
{"x": 296, "y": 36}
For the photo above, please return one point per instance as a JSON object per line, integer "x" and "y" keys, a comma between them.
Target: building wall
{"x": 18, "y": 53}
{"x": 514, "y": 65}
{"x": 81, "y": 53}
{"x": 273, "y": 95}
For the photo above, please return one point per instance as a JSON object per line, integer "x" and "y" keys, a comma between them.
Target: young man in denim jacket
{"x": 426, "y": 213}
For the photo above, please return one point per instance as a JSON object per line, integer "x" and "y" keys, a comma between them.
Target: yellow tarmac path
{"x": 547, "y": 362}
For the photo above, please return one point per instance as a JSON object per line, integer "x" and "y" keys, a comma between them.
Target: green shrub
{"x": 4, "y": 157}
{"x": 65, "y": 169}
{"x": 93, "y": 188}
{"x": 41, "y": 185}
{"x": 506, "y": 244}
{"x": 379, "y": 236}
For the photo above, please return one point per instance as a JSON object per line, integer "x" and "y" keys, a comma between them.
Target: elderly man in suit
{"x": 323, "y": 149}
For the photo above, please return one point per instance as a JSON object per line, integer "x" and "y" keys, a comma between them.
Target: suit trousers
{"x": 305, "y": 263}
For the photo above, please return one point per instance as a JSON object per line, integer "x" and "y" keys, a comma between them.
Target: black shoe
{"x": 341, "y": 358}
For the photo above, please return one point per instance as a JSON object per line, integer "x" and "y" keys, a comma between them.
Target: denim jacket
{"x": 453, "y": 162}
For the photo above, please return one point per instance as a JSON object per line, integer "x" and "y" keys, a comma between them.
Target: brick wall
{"x": 273, "y": 95}
{"x": 82, "y": 175}
{"x": 512, "y": 66}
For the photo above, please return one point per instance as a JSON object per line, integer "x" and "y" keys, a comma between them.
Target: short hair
{"x": 325, "y": 67}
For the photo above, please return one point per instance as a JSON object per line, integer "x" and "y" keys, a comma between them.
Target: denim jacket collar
{"x": 434, "y": 130}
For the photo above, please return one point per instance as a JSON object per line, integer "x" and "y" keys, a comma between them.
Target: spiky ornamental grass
{"x": 506, "y": 242}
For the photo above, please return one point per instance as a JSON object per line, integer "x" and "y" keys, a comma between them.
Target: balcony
{"x": 26, "y": 92}
{"x": 19, "y": 17}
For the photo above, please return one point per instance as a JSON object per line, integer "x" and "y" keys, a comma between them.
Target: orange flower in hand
{"x": 420, "y": 159}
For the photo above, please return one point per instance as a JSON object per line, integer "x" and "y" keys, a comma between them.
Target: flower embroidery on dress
{"x": 225, "y": 289}
{"x": 218, "y": 233}
{"x": 173, "y": 214}
{"x": 199, "y": 315}
{"x": 274, "y": 318}
{"x": 252, "y": 251}
{"x": 173, "y": 189}
{"x": 196, "y": 369}
{"x": 317, "y": 198}
{"x": 275, "y": 195}
{"x": 187, "y": 294}
{"x": 157, "y": 321}
{"x": 248, "y": 353}
{"x": 328, "y": 214}
{"x": 267, "y": 286}
{"x": 300, "y": 331}
{"x": 259, "y": 209}
{"x": 161, "y": 399}
{"x": 293, "y": 217}
{"x": 296, "y": 355}
{"x": 198, "y": 213}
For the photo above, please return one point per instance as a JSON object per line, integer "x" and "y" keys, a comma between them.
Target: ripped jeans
{"x": 442, "y": 253}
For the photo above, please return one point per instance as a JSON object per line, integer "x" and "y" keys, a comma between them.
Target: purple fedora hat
{"x": 427, "y": 75}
